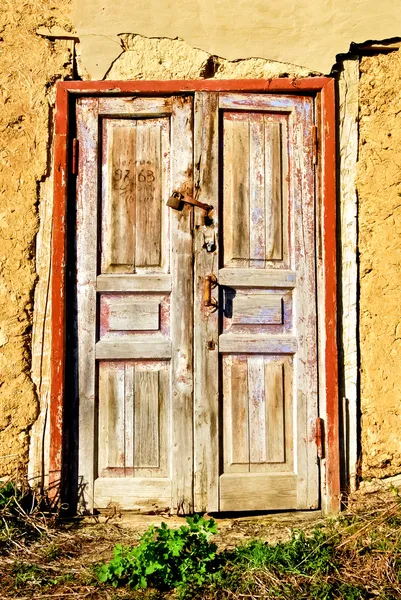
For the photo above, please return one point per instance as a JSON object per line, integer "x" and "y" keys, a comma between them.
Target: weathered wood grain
{"x": 165, "y": 416}
{"x": 134, "y": 315}
{"x": 148, "y": 348}
{"x": 119, "y": 196}
{"x": 142, "y": 493}
{"x": 275, "y": 103}
{"x": 134, "y": 420}
{"x": 236, "y": 188}
{"x": 135, "y": 106}
{"x": 146, "y": 437}
{"x": 273, "y": 191}
{"x": 160, "y": 419}
{"x": 257, "y": 344}
{"x": 236, "y": 415}
{"x": 255, "y": 491}
{"x": 135, "y": 181}
{"x": 275, "y": 434}
{"x": 87, "y": 196}
{"x": 111, "y": 416}
{"x": 257, "y": 410}
{"x": 305, "y": 321}
{"x": 206, "y": 323}
{"x": 166, "y": 189}
{"x": 257, "y": 278}
{"x": 257, "y": 173}
{"x": 129, "y": 395}
{"x": 133, "y": 283}
{"x": 182, "y": 310}
{"x": 279, "y": 388}
{"x": 148, "y": 193}
{"x": 258, "y": 309}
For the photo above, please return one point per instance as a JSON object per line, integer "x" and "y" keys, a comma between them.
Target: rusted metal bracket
{"x": 320, "y": 437}
{"x": 209, "y": 284}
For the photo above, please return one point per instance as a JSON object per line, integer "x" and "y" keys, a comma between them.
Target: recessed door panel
{"x": 255, "y": 196}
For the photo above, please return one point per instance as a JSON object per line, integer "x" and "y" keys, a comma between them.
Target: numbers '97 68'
{"x": 125, "y": 178}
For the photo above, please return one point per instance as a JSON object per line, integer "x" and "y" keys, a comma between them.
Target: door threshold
{"x": 233, "y": 530}
{"x": 135, "y": 519}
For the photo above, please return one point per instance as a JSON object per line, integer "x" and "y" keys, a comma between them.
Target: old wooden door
{"x": 197, "y": 331}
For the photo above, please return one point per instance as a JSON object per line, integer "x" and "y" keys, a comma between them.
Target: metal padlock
{"x": 176, "y": 201}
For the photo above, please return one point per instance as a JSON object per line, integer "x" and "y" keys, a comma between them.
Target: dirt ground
{"x": 62, "y": 565}
{"x": 233, "y": 529}
{"x": 31, "y": 65}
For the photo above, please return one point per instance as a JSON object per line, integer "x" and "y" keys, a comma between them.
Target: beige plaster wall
{"x": 308, "y": 33}
{"x": 29, "y": 67}
{"x": 379, "y": 191}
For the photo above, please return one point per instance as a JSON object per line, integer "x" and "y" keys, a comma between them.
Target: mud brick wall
{"x": 30, "y": 65}
{"x": 379, "y": 192}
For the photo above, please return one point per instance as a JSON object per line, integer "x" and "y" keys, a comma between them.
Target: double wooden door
{"x": 197, "y": 329}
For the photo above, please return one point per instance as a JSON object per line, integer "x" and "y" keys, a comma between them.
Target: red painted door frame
{"x": 320, "y": 87}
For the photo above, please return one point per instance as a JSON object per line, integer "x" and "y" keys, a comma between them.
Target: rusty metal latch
{"x": 209, "y": 284}
{"x": 320, "y": 437}
{"x": 177, "y": 201}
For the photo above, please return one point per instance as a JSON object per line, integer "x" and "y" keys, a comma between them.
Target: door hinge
{"x": 314, "y": 144}
{"x": 74, "y": 156}
{"x": 320, "y": 437}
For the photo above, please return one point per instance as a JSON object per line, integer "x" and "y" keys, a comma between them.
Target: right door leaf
{"x": 268, "y": 334}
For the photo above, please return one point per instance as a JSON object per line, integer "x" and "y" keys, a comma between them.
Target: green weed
{"x": 26, "y": 574}
{"x": 51, "y": 552}
{"x": 186, "y": 559}
{"x": 8, "y": 496}
{"x": 165, "y": 558}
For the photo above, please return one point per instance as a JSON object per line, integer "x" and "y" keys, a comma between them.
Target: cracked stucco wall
{"x": 29, "y": 67}
{"x": 142, "y": 57}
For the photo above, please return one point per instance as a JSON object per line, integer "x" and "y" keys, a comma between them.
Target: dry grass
{"x": 43, "y": 556}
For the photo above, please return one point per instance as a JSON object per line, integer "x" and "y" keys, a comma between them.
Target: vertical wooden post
{"x": 58, "y": 261}
{"x": 329, "y": 191}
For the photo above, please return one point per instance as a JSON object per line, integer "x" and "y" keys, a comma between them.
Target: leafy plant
{"x": 165, "y": 558}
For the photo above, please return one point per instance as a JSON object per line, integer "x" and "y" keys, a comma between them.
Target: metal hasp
{"x": 177, "y": 201}
{"x": 209, "y": 284}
